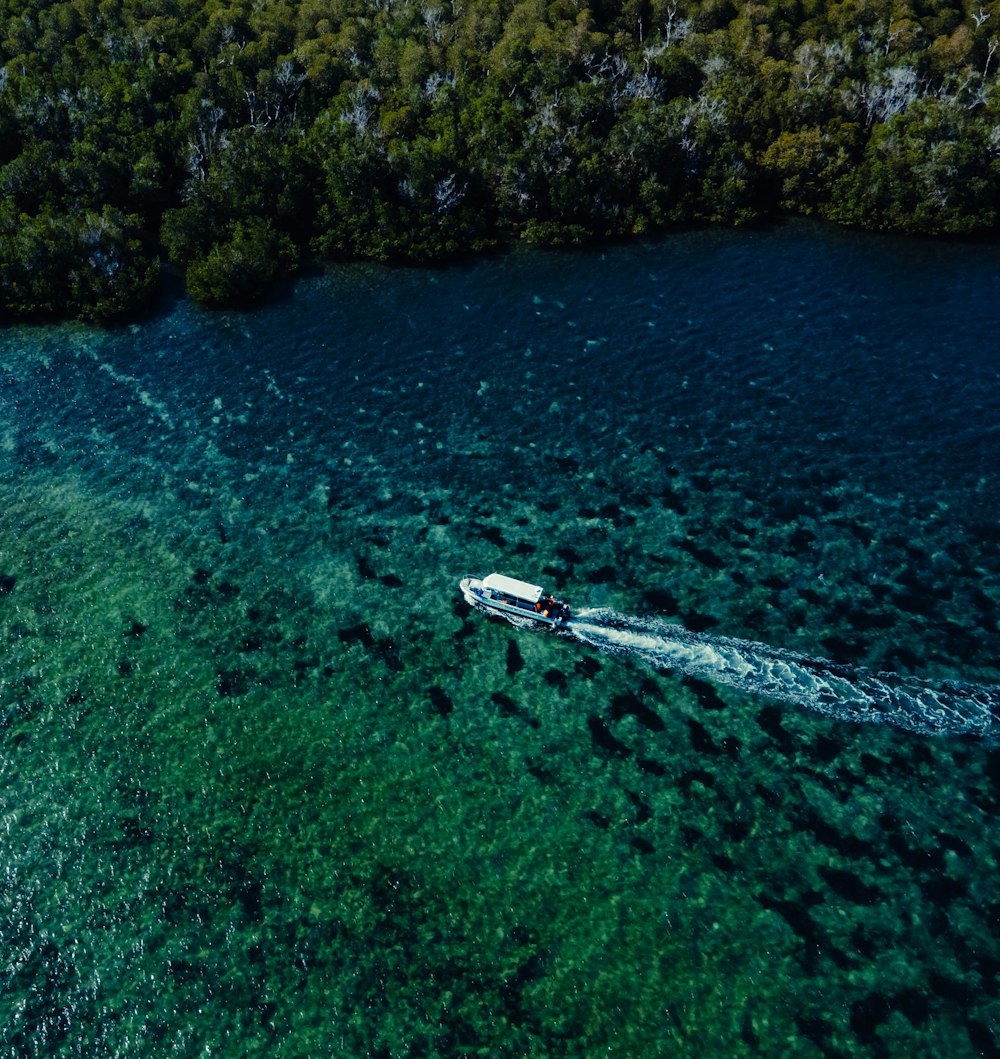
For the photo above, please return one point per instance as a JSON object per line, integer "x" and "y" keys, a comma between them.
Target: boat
{"x": 511, "y": 598}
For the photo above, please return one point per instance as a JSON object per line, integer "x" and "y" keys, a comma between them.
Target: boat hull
{"x": 513, "y": 608}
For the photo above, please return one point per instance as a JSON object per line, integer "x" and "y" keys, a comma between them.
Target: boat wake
{"x": 841, "y": 691}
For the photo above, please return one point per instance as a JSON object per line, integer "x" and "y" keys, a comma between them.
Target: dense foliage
{"x": 232, "y": 137}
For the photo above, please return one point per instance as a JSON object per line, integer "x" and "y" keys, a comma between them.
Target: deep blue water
{"x": 271, "y": 788}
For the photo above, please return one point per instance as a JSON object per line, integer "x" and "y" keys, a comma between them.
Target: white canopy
{"x": 512, "y": 587}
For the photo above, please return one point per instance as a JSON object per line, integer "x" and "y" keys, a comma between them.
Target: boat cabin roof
{"x": 513, "y": 587}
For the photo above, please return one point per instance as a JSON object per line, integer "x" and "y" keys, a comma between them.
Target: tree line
{"x": 235, "y": 138}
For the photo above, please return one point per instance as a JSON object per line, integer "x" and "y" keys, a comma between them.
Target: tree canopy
{"x": 232, "y": 138}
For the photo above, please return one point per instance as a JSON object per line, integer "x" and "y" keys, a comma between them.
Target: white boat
{"x": 511, "y": 598}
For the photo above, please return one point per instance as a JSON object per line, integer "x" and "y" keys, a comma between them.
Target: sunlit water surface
{"x": 271, "y": 788}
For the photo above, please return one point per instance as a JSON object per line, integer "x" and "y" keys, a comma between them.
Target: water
{"x": 846, "y": 692}
{"x": 271, "y": 788}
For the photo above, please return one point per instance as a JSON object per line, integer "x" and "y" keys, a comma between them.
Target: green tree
{"x": 238, "y": 269}
{"x": 91, "y": 265}
{"x": 931, "y": 170}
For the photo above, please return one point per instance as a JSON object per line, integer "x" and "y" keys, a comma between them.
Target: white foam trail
{"x": 845, "y": 692}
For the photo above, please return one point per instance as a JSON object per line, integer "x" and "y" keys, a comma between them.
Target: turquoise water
{"x": 271, "y": 788}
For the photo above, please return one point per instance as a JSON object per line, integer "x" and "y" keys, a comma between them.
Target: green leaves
{"x": 91, "y": 265}
{"x": 236, "y": 232}
{"x": 238, "y": 269}
{"x": 243, "y": 134}
{"x": 928, "y": 171}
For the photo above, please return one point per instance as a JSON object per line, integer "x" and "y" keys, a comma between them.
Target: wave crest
{"x": 842, "y": 691}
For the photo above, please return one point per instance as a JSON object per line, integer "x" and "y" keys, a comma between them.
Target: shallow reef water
{"x": 271, "y": 787}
